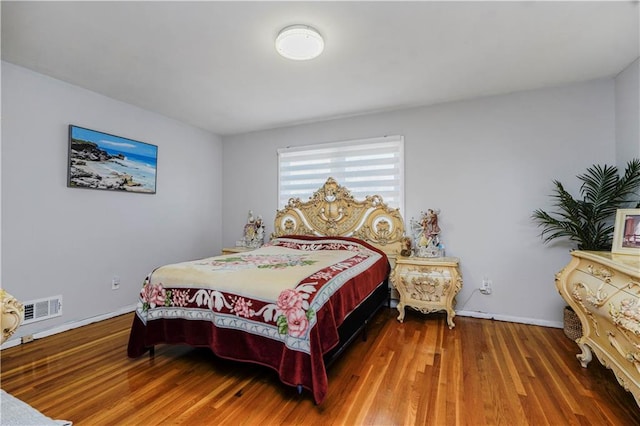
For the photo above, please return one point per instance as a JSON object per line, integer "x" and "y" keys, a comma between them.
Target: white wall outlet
{"x": 115, "y": 283}
{"x": 485, "y": 288}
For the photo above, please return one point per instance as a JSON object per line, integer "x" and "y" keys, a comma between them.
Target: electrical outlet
{"x": 485, "y": 288}
{"x": 115, "y": 283}
{"x": 27, "y": 339}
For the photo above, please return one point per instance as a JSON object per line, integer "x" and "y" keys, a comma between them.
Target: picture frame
{"x": 626, "y": 235}
{"x": 99, "y": 160}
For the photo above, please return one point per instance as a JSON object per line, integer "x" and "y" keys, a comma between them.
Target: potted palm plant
{"x": 589, "y": 220}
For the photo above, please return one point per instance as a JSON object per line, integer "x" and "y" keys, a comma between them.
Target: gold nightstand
{"x": 427, "y": 284}
{"x": 232, "y": 250}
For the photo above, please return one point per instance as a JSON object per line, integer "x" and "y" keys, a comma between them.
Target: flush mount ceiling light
{"x": 299, "y": 42}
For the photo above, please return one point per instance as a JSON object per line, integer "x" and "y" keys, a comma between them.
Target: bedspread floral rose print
{"x": 288, "y": 319}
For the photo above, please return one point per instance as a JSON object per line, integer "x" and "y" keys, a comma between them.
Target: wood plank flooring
{"x": 417, "y": 373}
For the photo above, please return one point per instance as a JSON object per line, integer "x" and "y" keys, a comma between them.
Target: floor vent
{"x": 42, "y": 309}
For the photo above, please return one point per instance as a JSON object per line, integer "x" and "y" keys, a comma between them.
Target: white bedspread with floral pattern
{"x": 274, "y": 291}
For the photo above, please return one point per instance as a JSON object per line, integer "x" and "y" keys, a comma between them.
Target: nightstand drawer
{"x": 425, "y": 283}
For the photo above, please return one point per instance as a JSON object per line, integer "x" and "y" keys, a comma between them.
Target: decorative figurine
{"x": 259, "y": 230}
{"x": 428, "y": 235}
{"x": 431, "y": 223}
{"x": 253, "y": 231}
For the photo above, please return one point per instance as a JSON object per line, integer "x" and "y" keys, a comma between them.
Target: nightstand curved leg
{"x": 450, "y": 314}
{"x": 400, "y": 308}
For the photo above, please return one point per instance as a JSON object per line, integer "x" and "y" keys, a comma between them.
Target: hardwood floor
{"x": 480, "y": 373}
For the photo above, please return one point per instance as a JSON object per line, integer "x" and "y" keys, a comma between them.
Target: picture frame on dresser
{"x": 626, "y": 235}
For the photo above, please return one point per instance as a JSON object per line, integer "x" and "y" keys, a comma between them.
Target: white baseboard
{"x": 70, "y": 326}
{"x": 509, "y": 318}
{"x": 499, "y": 317}
{"x": 10, "y": 343}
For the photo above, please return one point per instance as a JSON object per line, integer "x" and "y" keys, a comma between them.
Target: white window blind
{"x": 365, "y": 167}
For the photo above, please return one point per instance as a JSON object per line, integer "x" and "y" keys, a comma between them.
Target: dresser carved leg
{"x": 586, "y": 356}
{"x": 400, "y": 308}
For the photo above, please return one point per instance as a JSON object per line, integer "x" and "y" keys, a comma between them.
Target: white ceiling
{"x": 213, "y": 64}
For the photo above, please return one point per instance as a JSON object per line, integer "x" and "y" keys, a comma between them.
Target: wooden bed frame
{"x": 332, "y": 211}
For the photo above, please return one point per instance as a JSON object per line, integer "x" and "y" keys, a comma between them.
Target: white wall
{"x": 486, "y": 163}
{"x": 627, "y": 113}
{"x": 68, "y": 241}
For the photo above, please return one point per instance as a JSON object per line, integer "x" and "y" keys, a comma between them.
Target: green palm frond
{"x": 598, "y": 188}
{"x": 589, "y": 221}
{"x": 629, "y": 183}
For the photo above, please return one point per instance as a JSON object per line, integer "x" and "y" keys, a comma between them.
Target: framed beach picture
{"x": 100, "y": 160}
{"x": 626, "y": 236}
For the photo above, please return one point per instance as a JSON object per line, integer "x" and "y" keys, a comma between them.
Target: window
{"x": 365, "y": 167}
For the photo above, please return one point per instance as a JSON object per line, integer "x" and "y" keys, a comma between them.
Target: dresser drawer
{"x": 613, "y": 313}
{"x": 605, "y": 274}
{"x": 599, "y": 293}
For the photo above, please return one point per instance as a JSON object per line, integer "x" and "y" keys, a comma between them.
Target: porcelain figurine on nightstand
{"x": 428, "y": 235}
{"x": 254, "y": 231}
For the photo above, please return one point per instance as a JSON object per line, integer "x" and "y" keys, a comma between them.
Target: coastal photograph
{"x": 100, "y": 160}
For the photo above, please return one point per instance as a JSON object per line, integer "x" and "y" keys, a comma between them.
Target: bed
{"x": 292, "y": 305}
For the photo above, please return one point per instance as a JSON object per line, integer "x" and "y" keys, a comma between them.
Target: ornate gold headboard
{"x": 332, "y": 211}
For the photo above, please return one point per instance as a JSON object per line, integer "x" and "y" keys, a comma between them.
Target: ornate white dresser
{"x": 603, "y": 289}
